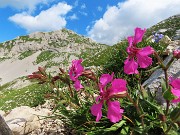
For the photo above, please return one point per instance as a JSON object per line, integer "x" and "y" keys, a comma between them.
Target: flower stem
{"x": 167, "y": 83}
{"x": 137, "y": 108}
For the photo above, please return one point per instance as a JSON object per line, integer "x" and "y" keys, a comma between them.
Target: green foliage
{"x": 1, "y": 45}
{"x": 79, "y": 119}
{"x": 45, "y": 56}
{"x": 171, "y": 24}
{"x": 31, "y": 95}
{"x": 27, "y": 38}
{"x": 4, "y": 58}
{"x": 98, "y": 59}
{"x": 51, "y": 63}
{"x": 9, "y": 45}
{"x": 25, "y": 54}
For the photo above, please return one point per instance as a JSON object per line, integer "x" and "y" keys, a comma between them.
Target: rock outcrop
{"x": 34, "y": 121}
{"x": 154, "y": 81}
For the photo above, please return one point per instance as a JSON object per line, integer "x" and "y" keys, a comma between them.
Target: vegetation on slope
{"x": 171, "y": 24}
{"x": 31, "y": 95}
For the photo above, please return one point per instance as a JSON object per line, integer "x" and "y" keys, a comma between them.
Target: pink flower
{"x": 76, "y": 71}
{"x": 176, "y": 54}
{"x": 116, "y": 89}
{"x": 175, "y": 89}
{"x": 137, "y": 56}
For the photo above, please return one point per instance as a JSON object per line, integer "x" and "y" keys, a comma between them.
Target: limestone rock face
{"x": 177, "y": 35}
{"x": 24, "y": 119}
{"x": 19, "y": 56}
{"x": 154, "y": 80}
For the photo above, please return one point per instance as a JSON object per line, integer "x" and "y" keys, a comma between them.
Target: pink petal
{"x": 71, "y": 74}
{"x": 77, "y": 85}
{"x": 175, "y": 83}
{"x": 75, "y": 70}
{"x": 143, "y": 61}
{"x": 130, "y": 67}
{"x": 78, "y": 67}
{"x": 139, "y": 33}
{"x": 176, "y": 100}
{"x": 176, "y": 92}
{"x": 130, "y": 40}
{"x": 106, "y": 78}
{"x": 118, "y": 85}
{"x": 114, "y": 112}
{"x": 98, "y": 99}
{"x": 146, "y": 51}
{"x": 96, "y": 110}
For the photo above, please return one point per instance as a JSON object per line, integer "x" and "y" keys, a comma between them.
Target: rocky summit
{"x": 21, "y": 56}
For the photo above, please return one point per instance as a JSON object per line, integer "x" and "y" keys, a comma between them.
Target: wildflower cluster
{"x": 109, "y": 92}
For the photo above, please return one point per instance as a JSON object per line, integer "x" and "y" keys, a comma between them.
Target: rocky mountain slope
{"x": 169, "y": 27}
{"x": 22, "y": 56}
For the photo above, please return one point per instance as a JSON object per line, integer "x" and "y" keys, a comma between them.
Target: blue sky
{"x": 105, "y": 21}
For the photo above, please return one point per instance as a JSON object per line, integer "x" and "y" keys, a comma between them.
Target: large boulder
{"x": 23, "y": 120}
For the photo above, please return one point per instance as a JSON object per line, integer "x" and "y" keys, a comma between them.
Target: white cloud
{"x": 83, "y": 6}
{"x": 99, "y": 8}
{"x": 29, "y": 5}
{"x": 73, "y": 17}
{"x": 119, "y": 21}
{"x": 50, "y": 19}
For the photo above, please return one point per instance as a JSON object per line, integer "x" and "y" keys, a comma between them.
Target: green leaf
{"x": 124, "y": 131}
{"x": 175, "y": 126}
{"x": 115, "y": 126}
{"x": 168, "y": 95}
{"x": 144, "y": 93}
{"x": 153, "y": 69}
{"x": 163, "y": 85}
{"x": 173, "y": 132}
{"x": 175, "y": 115}
{"x": 155, "y": 107}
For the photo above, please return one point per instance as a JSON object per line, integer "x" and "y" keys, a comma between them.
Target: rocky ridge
{"x": 49, "y": 49}
{"x": 169, "y": 27}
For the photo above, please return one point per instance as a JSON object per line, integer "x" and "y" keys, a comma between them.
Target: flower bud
{"x": 35, "y": 76}
{"x": 119, "y": 95}
{"x": 89, "y": 74}
{"x": 42, "y": 71}
{"x": 162, "y": 117}
{"x": 176, "y": 54}
{"x": 62, "y": 70}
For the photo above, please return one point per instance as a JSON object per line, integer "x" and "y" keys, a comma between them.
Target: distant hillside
{"x": 24, "y": 54}
{"x": 169, "y": 27}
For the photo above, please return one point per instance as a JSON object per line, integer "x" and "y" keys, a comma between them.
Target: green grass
{"x": 1, "y": 45}
{"x": 27, "y": 38}
{"x": 31, "y": 95}
{"x": 25, "y": 54}
{"x": 4, "y": 58}
{"x": 51, "y": 63}
{"x": 45, "y": 56}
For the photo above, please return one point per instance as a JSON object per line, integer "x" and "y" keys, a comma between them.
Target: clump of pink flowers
{"x": 137, "y": 56}
{"x": 75, "y": 71}
{"x": 117, "y": 88}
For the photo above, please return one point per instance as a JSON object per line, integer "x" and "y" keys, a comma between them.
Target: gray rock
{"x": 154, "y": 81}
